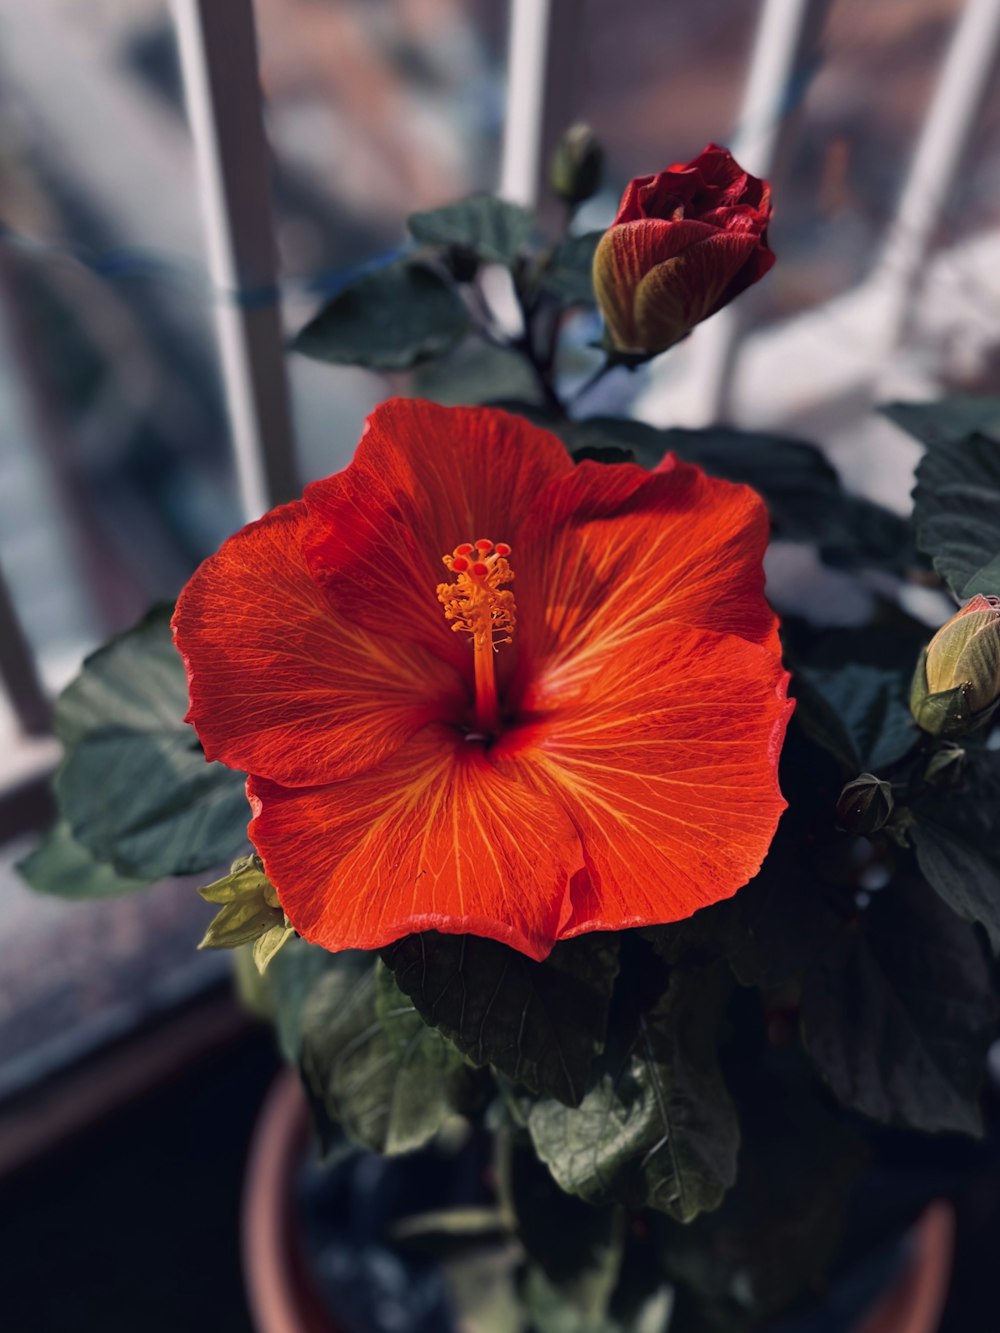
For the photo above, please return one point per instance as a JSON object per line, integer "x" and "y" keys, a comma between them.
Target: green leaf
{"x": 389, "y": 319}
{"x": 778, "y": 1230}
{"x": 63, "y": 867}
{"x": 858, "y": 714}
{"x": 803, "y": 493}
{"x": 135, "y": 680}
{"x": 135, "y": 787}
{"x": 657, "y": 1128}
{"x": 569, "y": 273}
{"x": 494, "y": 229}
{"x": 579, "y": 1248}
{"x": 898, "y": 1014}
{"x": 475, "y": 372}
{"x": 768, "y": 933}
{"x": 551, "y": 1310}
{"x": 366, "y": 1056}
{"x": 948, "y": 420}
{"x": 955, "y": 836}
{"x": 956, "y": 513}
{"x": 541, "y": 1024}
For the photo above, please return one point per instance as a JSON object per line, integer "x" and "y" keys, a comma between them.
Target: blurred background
{"x": 879, "y": 122}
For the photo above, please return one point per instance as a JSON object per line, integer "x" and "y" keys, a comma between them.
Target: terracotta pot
{"x": 914, "y": 1303}
{"x": 282, "y": 1298}
{"x": 280, "y": 1293}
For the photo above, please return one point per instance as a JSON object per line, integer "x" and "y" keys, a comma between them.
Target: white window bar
{"x": 18, "y": 672}
{"x": 542, "y": 67}
{"x": 784, "y": 47}
{"x": 962, "y": 84}
{"x": 218, "y": 51}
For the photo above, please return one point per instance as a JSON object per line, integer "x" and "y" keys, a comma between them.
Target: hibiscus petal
{"x": 424, "y": 479}
{"x": 281, "y": 685}
{"x": 611, "y": 552}
{"x": 669, "y": 771}
{"x": 437, "y": 838}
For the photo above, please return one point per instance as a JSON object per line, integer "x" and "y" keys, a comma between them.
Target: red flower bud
{"x": 684, "y": 244}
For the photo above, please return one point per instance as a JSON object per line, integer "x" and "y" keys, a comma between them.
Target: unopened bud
{"x": 577, "y": 163}
{"x": 864, "y": 805}
{"x": 957, "y": 682}
{"x": 945, "y": 767}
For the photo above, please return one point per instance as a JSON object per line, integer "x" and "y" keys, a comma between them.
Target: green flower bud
{"x": 956, "y": 686}
{"x": 865, "y": 804}
{"x": 577, "y": 163}
{"x": 945, "y": 767}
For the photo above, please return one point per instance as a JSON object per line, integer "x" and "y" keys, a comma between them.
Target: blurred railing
{"x": 219, "y": 63}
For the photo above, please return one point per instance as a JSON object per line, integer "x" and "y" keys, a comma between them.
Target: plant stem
{"x": 589, "y": 383}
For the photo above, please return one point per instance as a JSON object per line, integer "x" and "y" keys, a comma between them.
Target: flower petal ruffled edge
{"x": 669, "y": 770}
{"x": 437, "y": 838}
{"x": 613, "y": 551}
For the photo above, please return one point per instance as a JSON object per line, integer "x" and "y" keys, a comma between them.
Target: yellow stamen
{"x": 478, "y": 604}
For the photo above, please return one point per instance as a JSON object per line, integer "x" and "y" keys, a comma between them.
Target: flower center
{"x": 478, "y": 604}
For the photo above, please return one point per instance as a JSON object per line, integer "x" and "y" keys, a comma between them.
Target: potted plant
{"x": 663, "y": 996}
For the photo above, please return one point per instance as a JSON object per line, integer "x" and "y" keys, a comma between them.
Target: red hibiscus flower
{"x": 684, "y": 244}
{"x": 480, "y": 689}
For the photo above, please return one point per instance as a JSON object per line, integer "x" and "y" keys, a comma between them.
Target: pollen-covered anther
{"x": 478, "y": 603}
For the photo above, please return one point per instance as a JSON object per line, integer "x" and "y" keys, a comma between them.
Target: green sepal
{"x": 865, "y": 804}
{"x": 250, "y": 912}
{"x": 947, "y": 713}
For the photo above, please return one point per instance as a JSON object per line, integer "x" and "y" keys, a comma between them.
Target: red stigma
{"x": 484, "y": 545}
{"x": 502, "y": 548}
{"x": 459, "y": 564}
{"x": 464, "y": 549}
{"x": 480, "y": 569}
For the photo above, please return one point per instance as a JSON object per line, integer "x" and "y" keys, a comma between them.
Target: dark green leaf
{"x": 365, "y": 1055}
{"x": 296, "y": 971}
{"x": 62, "y": 866}
{"x": 802, "y": 491}
{"x": 135, "y": 787}
{"x": 494, "y": 229}
{"x": 955, "y": 836}
{"x": 858, "y": 714}
{"x": 898, "y": 1014}
{"x": 657, "y": 1128}
{"x": 551, "y": 1308}
{"x": 569, "y": 274}
{"x": 390, "y": 319}
{"x": 768, "y": 933}
{"x": 541, "y": 1024}
{"x": 956, "y": 512}
{"x": 577, "y": 1246}
{"x": 948, "y": 420}
{"x": 475, "y": 372}
{"x": 778, "y": 1230}
{"x": 135, "y": 682}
